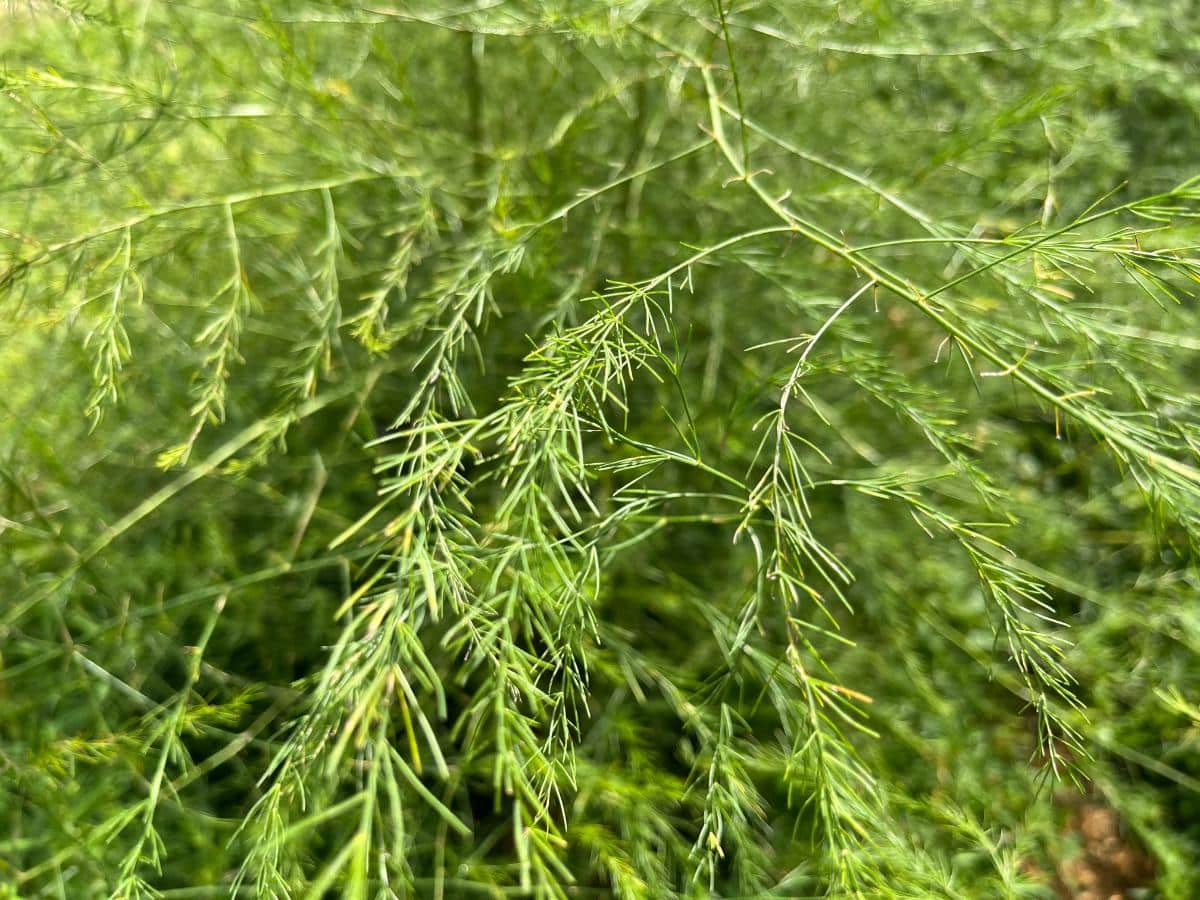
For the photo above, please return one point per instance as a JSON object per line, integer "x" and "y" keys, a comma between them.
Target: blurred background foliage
{"x": 615, "y": 631}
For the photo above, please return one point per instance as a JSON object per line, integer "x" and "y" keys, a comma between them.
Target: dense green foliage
{"x": 560, "y": 448}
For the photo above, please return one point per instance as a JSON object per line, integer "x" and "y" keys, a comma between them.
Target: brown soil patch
{"x": 1111, "y": 862}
